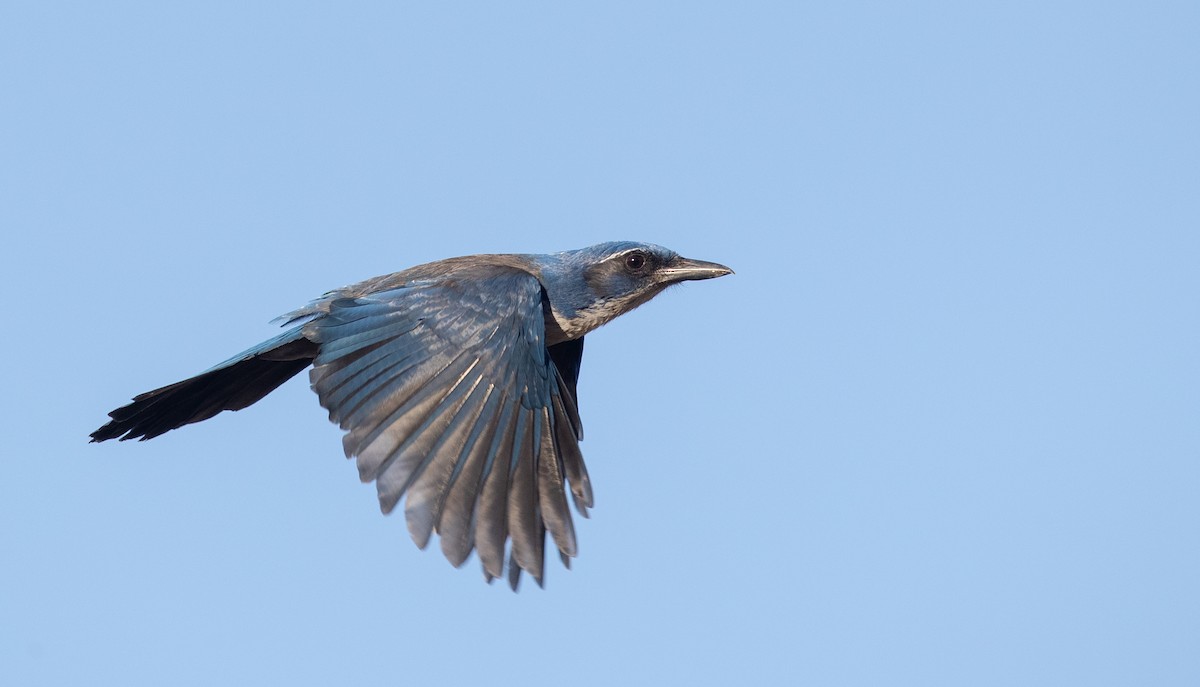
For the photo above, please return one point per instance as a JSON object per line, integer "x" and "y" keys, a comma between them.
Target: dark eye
{"x": 635, "y": 261}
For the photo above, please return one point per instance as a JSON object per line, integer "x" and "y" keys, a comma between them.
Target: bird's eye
{"x": 635, "y": 261}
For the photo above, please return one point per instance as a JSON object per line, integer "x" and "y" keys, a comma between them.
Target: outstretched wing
{"x": 449, "y": 395}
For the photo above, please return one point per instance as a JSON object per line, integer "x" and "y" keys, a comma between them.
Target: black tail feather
{"x": 231, "y": 387}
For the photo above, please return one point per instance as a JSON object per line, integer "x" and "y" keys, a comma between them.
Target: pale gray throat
{"x": 598, "y": 313}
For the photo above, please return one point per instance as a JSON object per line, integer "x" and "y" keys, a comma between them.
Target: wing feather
{"x": 406, "y": 463}
{"x": 572, "y": 459}
{"x": 456, "y": 519}
{"x": 423, "y": 500}
{"x": 491, "y": 527}
{"x": 386, "y": 434}
{"x": 523, "y": 522}
{"x": 555, "y": 513}
{"x": 350, "y": 374}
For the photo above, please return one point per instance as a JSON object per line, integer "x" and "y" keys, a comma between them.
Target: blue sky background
{"x": 940, "y": 429}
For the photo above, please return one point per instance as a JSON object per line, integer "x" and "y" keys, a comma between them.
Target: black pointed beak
{"x": 685, "y": 269}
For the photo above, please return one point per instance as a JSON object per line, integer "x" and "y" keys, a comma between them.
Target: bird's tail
{"x": 234, "y": 384}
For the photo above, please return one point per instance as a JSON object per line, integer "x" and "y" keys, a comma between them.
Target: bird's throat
{"x": 600, "y": 312}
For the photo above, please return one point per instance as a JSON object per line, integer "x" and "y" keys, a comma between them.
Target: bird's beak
{"x": 685, "y": 269}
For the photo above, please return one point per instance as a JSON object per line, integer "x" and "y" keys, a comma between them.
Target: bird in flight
{"x": 454, "y": 382}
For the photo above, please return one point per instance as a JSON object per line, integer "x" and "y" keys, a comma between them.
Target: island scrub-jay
{"x": 455, "y": 384}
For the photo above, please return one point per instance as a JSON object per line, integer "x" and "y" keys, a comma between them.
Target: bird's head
{"x": 591, "y": 286}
